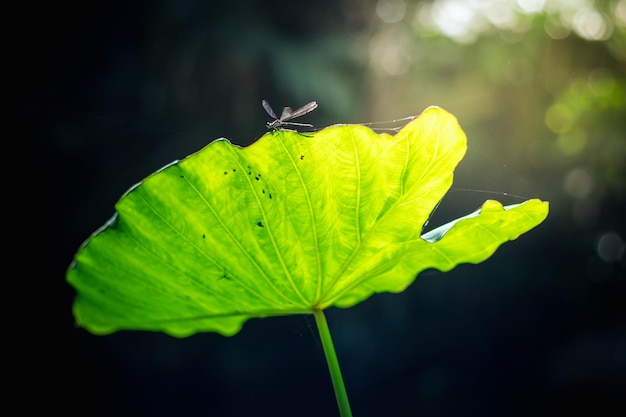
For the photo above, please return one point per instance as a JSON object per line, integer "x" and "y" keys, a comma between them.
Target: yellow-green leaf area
{"x": 292, "y": 223}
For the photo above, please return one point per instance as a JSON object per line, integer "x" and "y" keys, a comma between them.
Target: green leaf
{"x": 291, "y": 224}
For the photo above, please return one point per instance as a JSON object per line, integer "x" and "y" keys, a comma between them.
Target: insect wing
{"x": 307, "y": 108}
{"x": 287, "y": 113}
{"x": 268, "y": 109}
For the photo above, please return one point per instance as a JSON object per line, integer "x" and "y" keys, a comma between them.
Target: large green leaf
{"x": 287, "y": 225}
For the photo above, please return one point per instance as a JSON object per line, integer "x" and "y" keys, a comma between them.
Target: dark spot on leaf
{"x": 263, "y": 191}
{"x": 203, "y": 236}
{"x": 301, "y": 157}
{"x": 249, "y": 172}
{"x": 270, "y": 196}
{"x": 260, "y": 224}
{"x": 234, "y": 170}
{"x": 225, "y": 173}
{"x": 256, "y": 178}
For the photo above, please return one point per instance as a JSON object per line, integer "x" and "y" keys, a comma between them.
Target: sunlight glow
{"x": 455, "y": 19}
{"x": 530, "y": 6}
{"x": 465, "y": 20}
{"x": 501, "y": 15}
{"x": 592, "y": 25}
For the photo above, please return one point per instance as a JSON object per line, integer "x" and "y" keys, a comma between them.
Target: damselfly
{"x": 288, "y": 114}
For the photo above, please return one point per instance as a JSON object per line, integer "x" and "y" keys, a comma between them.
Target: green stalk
{"x": 333, "y": 364}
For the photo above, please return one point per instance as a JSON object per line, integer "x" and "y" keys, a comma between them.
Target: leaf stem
{"x": 333, "y": 364}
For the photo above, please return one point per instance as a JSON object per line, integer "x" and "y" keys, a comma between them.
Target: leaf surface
{"x": 289, "y": 224}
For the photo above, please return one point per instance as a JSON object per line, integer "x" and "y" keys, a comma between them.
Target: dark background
{"x": 111, "y": 91}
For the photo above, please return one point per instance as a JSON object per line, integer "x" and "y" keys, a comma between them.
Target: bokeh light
{"x": 611, "y": 247}
{"x": 391, "y": 11}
